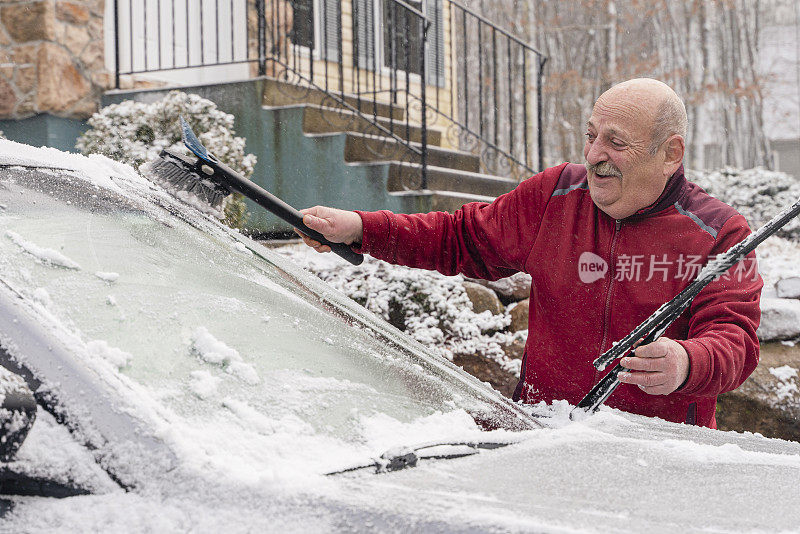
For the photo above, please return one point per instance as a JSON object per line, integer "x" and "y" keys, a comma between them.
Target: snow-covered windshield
{"x": 240, "y": 350}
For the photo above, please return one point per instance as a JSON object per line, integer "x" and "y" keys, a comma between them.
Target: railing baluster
{"x": 539, "y": 73}
{"x": 230, "y": 18}
{"x": 188, "y": 42}
{"x": 173, "y": 32}
{"x": 216, "y": 26}
{"x": 466, "y": 55}
{"x": 494, "y": 87}
{"x": 340, "y": 47}
{"x": 116, "y": 44}
{"x": 158, "y": 24}
{"x": 374, "y": 70}
{"x": 392, "y": 63}
{"x": 130, "y": 35}
{"x": 312, "y": 47}
{"x": 408, "y": 77}
{"x": 262, "y": 38}
{"x": 202, "y": 34}
{"x": 510, "y": 102}
{"x": 356, "y": 53}
{"x": 325, "y": 40}
{"x": 480, "y": 77}
{"x": 424, "y": 128}
{"x": 525, "y": 108}
{"x": 144, "y": 18}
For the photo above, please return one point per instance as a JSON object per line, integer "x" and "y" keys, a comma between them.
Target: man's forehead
{"x": 610, "y": 128}
{"x": 632, "y": 123}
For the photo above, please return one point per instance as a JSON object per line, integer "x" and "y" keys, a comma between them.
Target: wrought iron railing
{"x": 397, "y": 66}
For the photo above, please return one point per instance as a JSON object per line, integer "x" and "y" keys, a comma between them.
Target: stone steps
{"x": 408, "y": 176}
{"x": 282, "y": 93}
{"x": 321, "y": 120}
{"x": 361, "y": 147}
{"x": 453, "y": 176}
{"x": 442, "y": 200}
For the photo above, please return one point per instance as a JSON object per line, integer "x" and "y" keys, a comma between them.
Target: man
{"x": 606, "y": 243}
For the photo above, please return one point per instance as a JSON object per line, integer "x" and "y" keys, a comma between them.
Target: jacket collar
{"x": 668, "y": 197}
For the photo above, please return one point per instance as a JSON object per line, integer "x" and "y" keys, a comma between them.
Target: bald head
{"x": 635, "y": 140}
{"x": 656, "y": 101}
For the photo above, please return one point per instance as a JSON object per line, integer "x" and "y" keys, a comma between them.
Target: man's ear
{"x": 674, "y": 149}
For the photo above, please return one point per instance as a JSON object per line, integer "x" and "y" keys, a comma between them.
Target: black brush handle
{"x": 232, "y": 180}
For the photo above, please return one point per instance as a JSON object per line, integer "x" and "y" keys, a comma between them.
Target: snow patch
{"x": 44, "y": 255}
{"x": 211, "y": 350}
{"x": 241, "y": 247}
{"x": 116, "y": 357}
{"x": 204, "y": 384}
{"x": 107, "y": 277}
{"x": 787, "y": 387}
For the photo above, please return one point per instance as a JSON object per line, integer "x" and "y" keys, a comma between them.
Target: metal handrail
{"x": 496, "y": 27}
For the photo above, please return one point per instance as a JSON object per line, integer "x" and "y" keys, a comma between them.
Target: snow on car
{"x": 188, "y": 379}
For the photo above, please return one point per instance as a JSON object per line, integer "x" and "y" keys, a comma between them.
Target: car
{"x": 188, "y": 379}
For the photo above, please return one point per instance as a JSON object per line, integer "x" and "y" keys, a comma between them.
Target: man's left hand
{"x": 658, "y": 368}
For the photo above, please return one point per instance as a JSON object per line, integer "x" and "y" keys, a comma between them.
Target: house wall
{"x": 51, "y": 58}
{"x": 444, "y": 98}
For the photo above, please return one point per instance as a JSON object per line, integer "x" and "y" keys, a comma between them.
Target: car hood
{"x": 613, "y": 472}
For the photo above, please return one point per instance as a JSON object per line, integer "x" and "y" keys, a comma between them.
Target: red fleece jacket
{"x": 595, "y": 279}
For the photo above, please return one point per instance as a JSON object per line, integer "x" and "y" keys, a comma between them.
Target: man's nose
{"x": 596, "y": 153}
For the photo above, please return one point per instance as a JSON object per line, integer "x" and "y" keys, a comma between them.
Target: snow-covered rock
{"x": 483, "y": 298}
{"x": 788, "y": 288}
{"x": 519, "y": 316}
{"x": 780, "y": 319}
{"x": 769, "y": 400}
{"x": 511, "y": 289}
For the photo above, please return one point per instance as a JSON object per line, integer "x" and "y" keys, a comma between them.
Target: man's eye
{"x": 616, "y": 143}
{"x": 590, "y": 136}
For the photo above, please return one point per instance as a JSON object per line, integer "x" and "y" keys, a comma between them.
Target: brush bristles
{"x": 180, "y": 174}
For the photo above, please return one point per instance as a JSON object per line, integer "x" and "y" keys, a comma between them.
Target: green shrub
{"x": 136, "y": 132}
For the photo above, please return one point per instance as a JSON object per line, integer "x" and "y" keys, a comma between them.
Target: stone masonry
{"x": 52, "y": 58}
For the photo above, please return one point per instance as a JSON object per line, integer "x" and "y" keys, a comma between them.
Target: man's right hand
{"x": 338, "y": 226}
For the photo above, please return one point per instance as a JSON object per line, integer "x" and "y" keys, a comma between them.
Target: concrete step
{"x": 282, "y": 93}
{"x": 439, "y": 200}
{"x": 360, "y": 147}
{"x": 408, "y": 176}
{"x": 320, "y": 119}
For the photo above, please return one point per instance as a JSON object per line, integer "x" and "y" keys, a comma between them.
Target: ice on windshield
{"x": 242, "y": 353}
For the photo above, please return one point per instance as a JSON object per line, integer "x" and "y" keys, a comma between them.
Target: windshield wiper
{"x": 399, "y": 458}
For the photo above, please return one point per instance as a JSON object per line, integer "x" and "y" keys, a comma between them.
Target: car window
{"x": 231, "y": 341}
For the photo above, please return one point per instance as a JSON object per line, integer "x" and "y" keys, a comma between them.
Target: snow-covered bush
{"x": 136, "y": 132}
{"x": 431, "y": 308}
{"x": 758, "y": 194}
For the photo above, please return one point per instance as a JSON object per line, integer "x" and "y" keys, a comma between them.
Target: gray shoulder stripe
{"x": 696, "y": 219}
{"x": 558, "y": 192}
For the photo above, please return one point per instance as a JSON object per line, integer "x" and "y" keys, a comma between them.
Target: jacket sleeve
{"x": 722, "y": 344}
{"x": 479, "y": 240}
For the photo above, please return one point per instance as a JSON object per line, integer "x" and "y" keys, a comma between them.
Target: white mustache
{"x": 604, "y": 168}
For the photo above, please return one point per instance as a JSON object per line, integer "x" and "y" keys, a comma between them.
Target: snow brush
{"x": 655, "y": 325}
{"x": 211, "y": 181}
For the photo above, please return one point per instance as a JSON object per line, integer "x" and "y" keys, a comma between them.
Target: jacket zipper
{"x": 611, "y": 271}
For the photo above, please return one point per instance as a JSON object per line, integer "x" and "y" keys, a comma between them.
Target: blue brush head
{"x": 193, "y": 143}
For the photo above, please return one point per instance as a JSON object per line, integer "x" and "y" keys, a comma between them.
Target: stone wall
{"x": 52, "y": 58}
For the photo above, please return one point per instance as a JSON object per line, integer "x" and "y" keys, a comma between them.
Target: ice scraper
{"x": 655, "y": 325}
{"x": 212, "y": 181}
